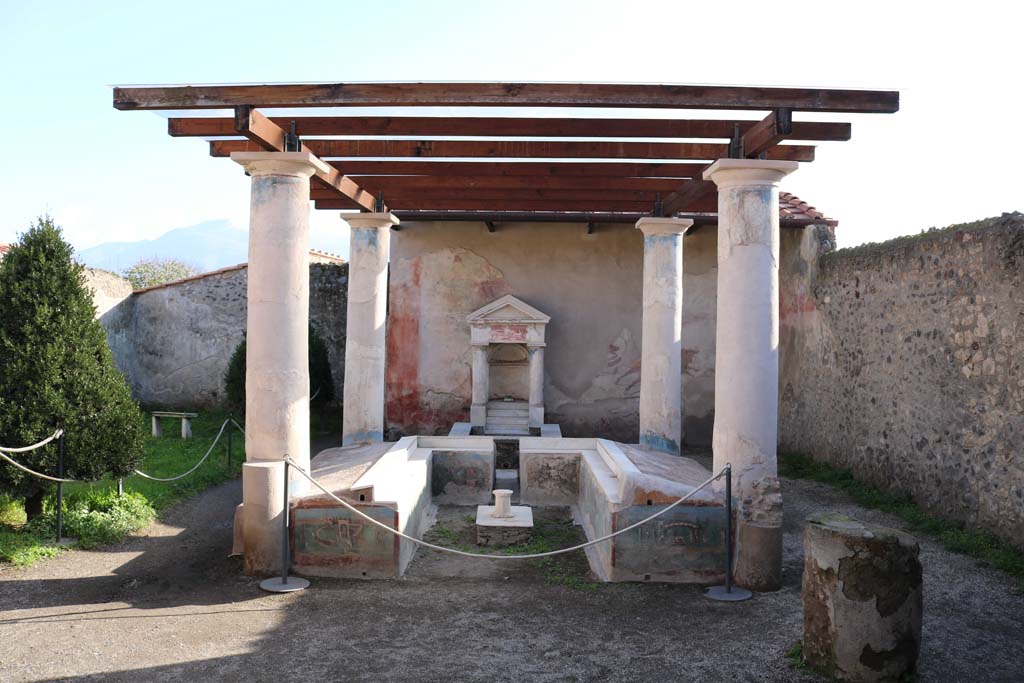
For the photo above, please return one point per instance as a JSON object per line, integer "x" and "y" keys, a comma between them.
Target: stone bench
{"x": 186, "y": 422}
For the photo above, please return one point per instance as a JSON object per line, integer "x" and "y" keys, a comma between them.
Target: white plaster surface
{"x": 747, "y": 357}
{"x": 365, "y": 332}
{"x": 277, "y": 370}
{"x": 661, "y": 343}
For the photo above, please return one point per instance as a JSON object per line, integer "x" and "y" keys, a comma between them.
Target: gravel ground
{"x": 170, "y": 606}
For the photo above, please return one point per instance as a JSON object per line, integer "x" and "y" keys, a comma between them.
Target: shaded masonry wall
{"x": 590, "y": 285}
{"x": 904, "y": 362}
{"x": 173, "y": 342}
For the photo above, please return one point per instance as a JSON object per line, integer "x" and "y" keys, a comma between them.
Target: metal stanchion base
{"x": 275, "y": 585}
{"x": 736, "y": 595}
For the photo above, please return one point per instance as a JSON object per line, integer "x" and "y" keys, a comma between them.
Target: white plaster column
{"x": 661, "y": 395}
{"x": 747, "y": 359}
{"x": 364, "y": 330}
{"x": 277, "y": 328}
{"x": 481, "y": 386}
{"x": 536, "y": 386}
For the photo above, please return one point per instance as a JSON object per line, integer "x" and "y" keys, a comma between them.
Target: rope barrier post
{"x": 120, "y": 487}
{"x": 231, "y": 432}
{"x": 286, "y": 584}
{"x": 60, "y": 486}
{"x": 728, "y": 593}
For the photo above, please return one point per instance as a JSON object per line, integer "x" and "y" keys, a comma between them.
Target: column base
{"x": 659, "y": 442}
{"x": 478, "y": 415}
{"x": 758, "y": 557}
{"x": 537, "y": 416}
{"x": 262, "y": 506}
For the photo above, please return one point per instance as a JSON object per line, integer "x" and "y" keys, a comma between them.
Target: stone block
{"x": 503, "y": 531}
{"x": 862, "y": 599}
{"x": 549, "y": 478}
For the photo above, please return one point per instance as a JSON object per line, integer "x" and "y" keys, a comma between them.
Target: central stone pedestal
{"x": 500, "y": 531}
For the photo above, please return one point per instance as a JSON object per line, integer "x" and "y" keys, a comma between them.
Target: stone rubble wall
{"x": 904, "y": 362}
{"x": 173, "y": 343}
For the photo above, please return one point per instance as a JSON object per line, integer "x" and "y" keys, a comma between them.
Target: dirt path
{"x": 171, "y": 606}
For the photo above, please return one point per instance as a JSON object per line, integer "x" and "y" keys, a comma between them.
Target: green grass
{"x": 569, "y": 570}
{"x": 96, "y": 515}
{"x": 953, "y": 536}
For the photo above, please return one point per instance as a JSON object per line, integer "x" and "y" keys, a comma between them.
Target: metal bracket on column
{"x": 378, "y": 204}
{"x": 659, "y": 206}
{"x": 736, "y": 143}
{"x": 491, "y": 226}
{"x": 292, "y": 143}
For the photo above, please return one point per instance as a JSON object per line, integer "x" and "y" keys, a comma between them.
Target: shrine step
{"x": 506, "y": 420}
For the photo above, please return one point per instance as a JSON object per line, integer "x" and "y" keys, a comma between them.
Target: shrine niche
{"x": 508, "y": 321}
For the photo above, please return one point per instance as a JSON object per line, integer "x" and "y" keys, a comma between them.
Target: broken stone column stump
{"x": 862, "y": 599}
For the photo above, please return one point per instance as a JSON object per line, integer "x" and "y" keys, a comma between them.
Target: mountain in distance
{"x": 206, "y": 246}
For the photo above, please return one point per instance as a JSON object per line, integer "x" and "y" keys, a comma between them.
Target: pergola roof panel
{"x": 611, "y": 163}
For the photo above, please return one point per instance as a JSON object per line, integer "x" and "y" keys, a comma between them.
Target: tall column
{"x": 276, "y": 358}
{"x": 481, "y": 386}
{"x": 364, "y": 329}
{"x": 747, "y": 359}
{"x": 661, "y": 376}
{"x": 536, "y": 386}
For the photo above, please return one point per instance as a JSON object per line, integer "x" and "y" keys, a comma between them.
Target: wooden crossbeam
{"x": 499, "y": 204}
{"x": 758, "y": 140}
{"x": 358, "y": 167}
{"x": 521, "y": 150}
{"x": 389, "y": 183}
{"x": 767, "y": 133}
{"x": 612, "y": 95}
{"x": 267, "y": 135}
{"x": 589, "y": 217}
{"x": 479, "y": 126}
{"x": 397, "y": 194}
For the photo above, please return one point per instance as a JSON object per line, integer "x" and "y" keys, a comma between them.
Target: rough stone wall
{"x": 173, "y": 343}
{"x": 903, "y": 362}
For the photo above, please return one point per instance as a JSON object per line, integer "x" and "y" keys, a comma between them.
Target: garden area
{"x": 94, "y": 513}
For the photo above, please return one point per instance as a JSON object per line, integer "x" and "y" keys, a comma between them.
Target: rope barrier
{"x": 26, "y": 449}
{"x": 4, "y": 450}
{"x": 194, "y": 467}
{"x": 33, "y": 447}
{"x": 238, "y": 426}
{"x": 532, "y": 556}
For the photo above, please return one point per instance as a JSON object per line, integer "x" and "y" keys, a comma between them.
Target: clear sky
{"x": 953, "y": 152}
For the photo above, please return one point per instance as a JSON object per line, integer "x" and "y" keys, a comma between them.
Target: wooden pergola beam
{"x": 759, "y": 140}
{"x": 429, "y": 182}
{"x": 359, "y": 167}
{"x": 267, "y": 135}
{"x": 499, "y": 204}
{"x": 520, "y": 150}
{"x": 415, "y": 194}
{"x": 609, "y": 95}
{"x": 467, "y": 126}
{"x": 589, "y": 217}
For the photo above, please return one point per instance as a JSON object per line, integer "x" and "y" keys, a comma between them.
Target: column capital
{"x": 732, "y": 172}
{"x": 654, "y": 225}
{"x": 297, "y": 164}
{"x": 366, "y": 221}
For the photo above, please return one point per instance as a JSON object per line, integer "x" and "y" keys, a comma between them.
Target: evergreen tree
{"x": 56, "y": 369}
{"x": 321, "y": 379}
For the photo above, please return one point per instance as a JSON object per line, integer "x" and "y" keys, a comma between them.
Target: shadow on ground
{"x": 171, "y": 606}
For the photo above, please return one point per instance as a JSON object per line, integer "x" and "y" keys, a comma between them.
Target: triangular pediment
{"x": 508, "y": 309}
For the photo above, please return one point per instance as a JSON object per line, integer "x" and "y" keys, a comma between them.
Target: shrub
{"x": 99, "y": 517}
{"x": 321, "y": 379}
{"x": 58, "y": 370}
{"x": 156, "y": 271}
